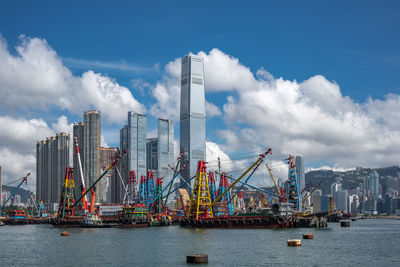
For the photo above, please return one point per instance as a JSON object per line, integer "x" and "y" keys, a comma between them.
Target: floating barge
{"x": 279, "y": 217}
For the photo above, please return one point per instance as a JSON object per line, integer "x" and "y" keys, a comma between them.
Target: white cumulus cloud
{"x": 310, "y": 117}
{"x": 35, "y": 78}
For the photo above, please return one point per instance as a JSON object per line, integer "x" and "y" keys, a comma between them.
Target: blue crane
{"x": 24, "y": 179}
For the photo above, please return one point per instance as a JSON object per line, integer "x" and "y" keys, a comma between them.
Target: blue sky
{"x": 353, "y": 45}
{"x": 352, "y": 42}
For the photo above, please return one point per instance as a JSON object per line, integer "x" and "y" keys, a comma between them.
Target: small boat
{"x": 294, "y": 242}
{"x": 65, "y": 233}
{"x": 308, "y": 236}
{"x": 345, "y": 223}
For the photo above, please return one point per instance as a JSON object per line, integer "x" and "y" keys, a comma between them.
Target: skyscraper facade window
{"x": 192, "y": 114}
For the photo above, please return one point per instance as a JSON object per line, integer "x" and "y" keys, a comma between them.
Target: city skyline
{"x": 323, "y": 95}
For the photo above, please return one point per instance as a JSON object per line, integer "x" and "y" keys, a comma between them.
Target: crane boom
{"x": 260, "y": 159}
{"x": 83, "y": 189}
{"x": 98, "y": 179}
{"x": 273, "y": 179}
{"x": 249, "y": 185}
{"x": 315, "y": 188}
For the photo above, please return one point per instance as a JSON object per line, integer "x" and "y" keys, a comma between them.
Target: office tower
{"x": 342, "y": 200}
{"x": 192, "y": 114}
{"x": 107, "y": 155}
{"x": 374, "y": 183}
{"x": 165, "y": 149}
{"x": 160, "y": 151}
{"x": 52, "y": 158}
{"x": 133, "y": 140}
{"x": 300, "y": 173}
{"x": 152, "y": 155}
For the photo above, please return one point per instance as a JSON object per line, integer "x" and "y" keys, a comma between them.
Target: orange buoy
{"x": 197, "y": 258}
{"x": 294, "y": 242}
{"x": 308, "y": 236}
{"x": 65, "y": 233}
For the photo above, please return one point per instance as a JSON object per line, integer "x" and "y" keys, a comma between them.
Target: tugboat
{"x": 92, "y": 220}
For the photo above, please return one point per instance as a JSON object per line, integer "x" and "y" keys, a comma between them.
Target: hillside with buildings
{"x": 362, "y": 190}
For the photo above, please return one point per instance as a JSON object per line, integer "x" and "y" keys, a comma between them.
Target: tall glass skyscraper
{"x": 374, "y": 183}
{"x": 300, "y": 173}
{"x": 133, "y": 140}
{"x": 152, "y": 155}
{"x": 165, "y": 149}
{"x": 192, "y": 114}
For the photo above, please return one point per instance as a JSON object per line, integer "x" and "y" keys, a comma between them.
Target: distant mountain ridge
{"x": 20, "y": 191}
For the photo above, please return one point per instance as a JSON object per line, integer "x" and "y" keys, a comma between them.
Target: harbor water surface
{"x": 365, "y": 242}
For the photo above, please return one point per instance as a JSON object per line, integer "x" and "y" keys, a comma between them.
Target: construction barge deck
{"x": 262, "y": 222}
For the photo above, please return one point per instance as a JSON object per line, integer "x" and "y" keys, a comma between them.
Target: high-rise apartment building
{"x": 88, "y": 133}
{"x": 133, "y": 140}
{"x": 52, "y": 158}
{"x": 107, "y": 155}
{"x": 192, "y": 114}
{"x": 91, "y": 146}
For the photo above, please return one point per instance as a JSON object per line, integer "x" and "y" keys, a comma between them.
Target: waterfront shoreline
{"x": 381, "y": 217}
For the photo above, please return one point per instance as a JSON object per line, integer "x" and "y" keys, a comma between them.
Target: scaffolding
{"x": 293, "y": 185}
{"x": 158, "y": 207}
{"x": 225, "y": 205}
{"x": 200, "y": 204}
{"x": 68, "y": 195}
{"x": 131, "y": 191}
{"x": 211, "y": 183}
